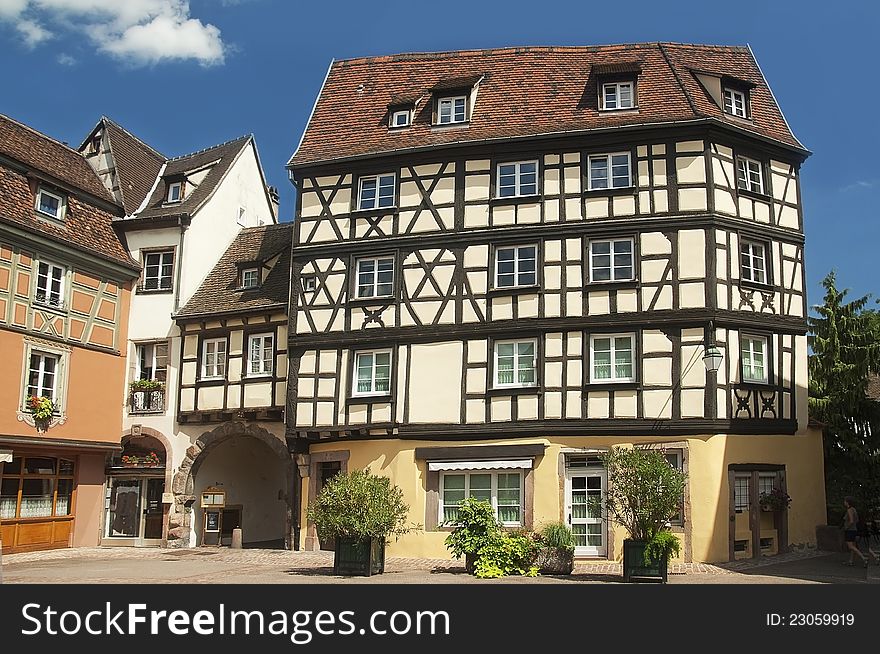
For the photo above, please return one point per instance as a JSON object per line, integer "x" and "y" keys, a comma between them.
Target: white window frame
{"x": 354, "y": 375}
{"x": 174, "y": 185}
{"x": 609, "y": 157}
{"x": 732, "y": 95}
{"x": 750, "y": 165}
{"x": 266, "y": 366}
{"x": 46, "y": 300}
{"x": 517, "y": 183}
{"x": 613, "y": 255}
{"x": 375, "y": 200}
{"x": 375, "y": 282}
{"x": 41, "y": 388}
{"x": 516, "y": 264}
{"x": 44, "y": 348}
{"x": 516, "y": 369}
{"x": 613, "y": 379}
{"x": 765, "y": 355}
{"x": 493, "y": 492}
{"x": 139, "y": 347}
{"x": 747, "y": 249}
{"x": 616, "y": 86}
{"x": 161, "y": 254}
{"x": 452, "y": 99}
{"x": 256, "y": 276}
{"x": 216, "y": 373}
{"x": 59, "y": 215}
{"x": 678, "y": 454}
{"x": 407, "y": 118}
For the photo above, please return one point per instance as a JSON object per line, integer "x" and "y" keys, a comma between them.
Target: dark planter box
{"x": 555, "y": 561}
{"x": 634, "y": 567}
{"x": 359, "y": 556}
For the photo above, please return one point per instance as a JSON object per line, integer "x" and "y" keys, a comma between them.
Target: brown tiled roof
{"x": 221, "y": 156}
{"x": 46, "y": 155}
{"x": 525, "y": 92}
{"x": 221, "y": 292}
{"x": 137, "y": 165}
{"x": 85, "y": 226}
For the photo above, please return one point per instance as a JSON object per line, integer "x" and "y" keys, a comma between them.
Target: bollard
{"x": 236, "y": 538}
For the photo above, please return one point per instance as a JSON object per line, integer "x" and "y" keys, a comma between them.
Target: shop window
{"x": 36, "y": 487}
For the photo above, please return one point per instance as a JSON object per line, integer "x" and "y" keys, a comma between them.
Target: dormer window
{"x": 452, "y": 110}
{"x": 50, "y": 204}
{"x": 250, "y": 278}
{"x": 401, "y": 118}
{"x": 735, "y": 103}
{"x": 618, "y": 95}
{"x": 175, "y": 191}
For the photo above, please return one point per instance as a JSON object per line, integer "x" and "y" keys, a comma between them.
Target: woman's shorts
{"x": 851, "y": 535}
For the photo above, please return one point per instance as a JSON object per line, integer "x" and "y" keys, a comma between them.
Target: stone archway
{"x": 179, "y": 525}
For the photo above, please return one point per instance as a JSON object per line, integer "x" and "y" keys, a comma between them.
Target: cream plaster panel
{"x": 502, "y": 308}
{"x": 574, "y": 373}
{"x": 658, "y": 148}
{"x": 777, "y": 183}
{"x": 500, "y": 409}
{"x": 571, "y": 157}
{"x": 234, "y": 370}
{"x": 305, "y": 387}
{"x": 410, "y": 196}
{"x": 527, "y": 407}
{"x": 624, "y": 205}
{"x": 691, "y": 254}
{"x": 233, "y": 397}
{"x": 654, "y": 243}
{"x": 574, "y": 303}
{"x": 574, "y": 404}
{"x": 552, "y": 278}
{"x": 692, "y": 199}
{"x": 552, "y": 305}
{"x": 304, "y": 415}
{"x": 625, "y": 405}
{"x": 327, "y": 361}
{"x": 664, "y": 299}
{"x": 691, "y": 170}
{"x": 721, "y": 296}
{"x": 762, "y": 212}
{"x": 428, "y": 170}
{"x": 627, "y": 300}
{"x": 596, "y": 207}
{"x": 236, "y": 340}
{"x": 476, "y": 380}
{"x": 477, "y": 165}
{"x": 444, "y": 192}
{"x": 426, "y": 310}
{"x": 475, "y": 411}
{"x": 657, "y": 404}
{"x": 528, "y": 214}
{"x": 324, "y": 232}
{"x": 357, "y": 414}
{"x": 654, "y": 340}
{"x": 573, "y": 276}
{"x": 476, "y": 187}
{"x": 527, "y": 305}
{"x": 692, "y": 403}
{"x": 661, "y": 201}
{"x": 324, "y": 414}
{"x": 721, "y": 403}
{"x": 642, "y": 151}
{"x": 341, "y": 202}
{"x": 257, "y": 395}
{"x": 791, "y": 193}
{"x": 659, "y": 170}
{"x": 382, "y": 412}
{"x": 689, "y": 146}
{"x": 551, "y": 181}
{"x": 645, "y": 202}
{"x": 642, "y": 171}
{"x": 721, "y": 173}
{"x": 503, "y": 215}
{"x": 210, "y": 397}
{"x": 311, "y": 205}
{"x": 477, "y": 351}
{"x": 573, "y": 249}
{"x": 572, "y": 179}
{"x": 598, "y": 404}
{"x": 326, "y": 387}
{"x": 745, "y": 208}
{"x": 551, "y": 159}
{"x": 724, "y": 203}
{"x": 657, "y": 372}
{"x": 553, "y": 345}
{"x": 188, "y": 372}
{"x": 551, "y": 211}
{"x": 788, "y": 218}
{"x": 187, "y": 399}
{"x": 552, "y": 404}
{"x": 691, "y": 295}
{"x": 435, "y": 382}
{"x": 573, "y": 209}
{"x": 553, "y": 374}
{"x": 476, "y": 256}
{"x": 691, "y": 355}
{"x": 307, "y": 362}
{"x": 652, "y": 270}
{"x": 552, "y": 251}
{"x": 574, "y": 344}
{"x": 600, "y": 303}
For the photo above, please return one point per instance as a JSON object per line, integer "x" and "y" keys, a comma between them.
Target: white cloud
{"x": 860, "y": 184}
{"x": 66, "y": 60}
{"x": 140, "y": 32}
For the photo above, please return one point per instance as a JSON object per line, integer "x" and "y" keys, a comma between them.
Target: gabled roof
{"x": 526, "y": 92}
{"x": 221, "y": 292}
{"x": 87, "y": 225}
{"x": 219, "y": 157}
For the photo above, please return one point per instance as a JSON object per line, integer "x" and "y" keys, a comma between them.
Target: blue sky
{"x": 185, "y": 75}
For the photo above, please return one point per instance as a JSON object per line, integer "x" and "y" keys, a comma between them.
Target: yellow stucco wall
{"x": 709, "y": 458}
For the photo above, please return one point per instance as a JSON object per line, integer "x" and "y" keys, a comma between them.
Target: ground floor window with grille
{"x": 741, "y": 493}
{"x": 503, "y": 490}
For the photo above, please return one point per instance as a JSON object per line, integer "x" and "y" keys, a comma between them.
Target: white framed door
{"x": 582, "y": 489}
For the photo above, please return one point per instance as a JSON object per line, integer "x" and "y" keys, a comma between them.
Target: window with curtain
{"x": 612, "y": 357}
{"x": 372, "y": 373}
{"x": 753, "y": 358}
{"x": 502, "y": 489}
{"x": 753, "y": 262}
{"x": 214, "y": 358}
{"x": 36, "y": 487}
{"x": 515, "y": 363}
{"x": 261, "y": 354}
{"x": 50, "y": 285}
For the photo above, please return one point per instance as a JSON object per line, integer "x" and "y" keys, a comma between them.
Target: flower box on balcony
{"x": 147, "y": 396}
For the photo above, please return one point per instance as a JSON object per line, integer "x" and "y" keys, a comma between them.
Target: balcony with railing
{"x": 147, "y": 400}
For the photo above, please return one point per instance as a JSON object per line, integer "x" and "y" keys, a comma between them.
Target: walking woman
{"x": 851, "y": 531}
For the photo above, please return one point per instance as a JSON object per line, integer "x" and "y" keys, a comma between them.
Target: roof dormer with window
{"x": 617, "y": 85}
{"x": 732, "y": 95}
{"x": 454, "y": 100}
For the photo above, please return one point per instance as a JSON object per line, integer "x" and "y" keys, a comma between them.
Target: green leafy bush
{"x": 665, "y": 544}
{"x": 360, "y": 505}
{"x": 507, "y": 554}
{"x": 557, "y": 535}
{"x": 474, "y": 527}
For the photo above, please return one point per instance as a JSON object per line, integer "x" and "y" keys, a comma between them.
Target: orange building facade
{"x": 65, "y": 286}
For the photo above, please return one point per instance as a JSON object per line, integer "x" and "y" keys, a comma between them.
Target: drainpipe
{"x": 184, "y": 225}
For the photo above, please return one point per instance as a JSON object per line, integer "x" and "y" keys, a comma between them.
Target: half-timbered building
{"x": 507, "y": 261}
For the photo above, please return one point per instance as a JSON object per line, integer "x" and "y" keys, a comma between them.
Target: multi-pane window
{"x": 375, "y": 277}
{"x": 43, "y": 372}
{"x": 618, "y": 95}
{"x": 609, "y": 171}
{"x": 735, "y": 103}
{"x": 674, "y": 458}
{"x": 175, "y": 191}
{"x": 152, "y": 361}
{"x": 158, "y": 270}
{"x": 376, "y": 191}
{"x": 372, "y": 373}
{"x": 741, "y": 493}
{"x": 214, "y": 358}
{"x": 50, "y": 204}
{"x": 50, "y": 285}
{"x": 400, "y": 118}
{"x": 753, "y": 262}
{"x": 516, "y": 266}
{"x": 517, "y": 178}
{"x": 611, "y": 260}
{"x": 36, "y": 487}
{"x": 261, "y": 354}
{"x": 753, "y": 357}
{"x": 749, "y": 175}
{"x": 250, "y": 277}
{"x": 503, "y": 490}
{"x": 766, "y": 483}
{"x": 452, "y": 110}
{"x": 515, "y": 363}
{"x": 612, "y": 357}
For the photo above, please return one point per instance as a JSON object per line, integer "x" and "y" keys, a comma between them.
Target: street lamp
{"x": 712, "y": 358}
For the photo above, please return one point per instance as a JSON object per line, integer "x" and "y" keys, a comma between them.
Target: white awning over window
{"x": 522, "y": 464}
{"x": 5, "y": 456}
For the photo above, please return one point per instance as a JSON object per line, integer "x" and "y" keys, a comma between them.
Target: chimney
{"x": 273, "y": 198}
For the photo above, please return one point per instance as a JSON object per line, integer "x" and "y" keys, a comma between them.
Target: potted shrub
{"x": 644, "y": 493}
{"x": 361, "y": 511}
{"x": 555, "y": 549}
{"x": 472, "y": 529}
{"x": 775, "y": 500}
{"x": 42, "y": 409}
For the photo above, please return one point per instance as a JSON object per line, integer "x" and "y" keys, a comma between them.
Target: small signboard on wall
{"x": 213, "y": 501}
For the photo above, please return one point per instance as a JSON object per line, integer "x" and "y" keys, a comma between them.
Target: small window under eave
{"x": 616, "y": 85}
